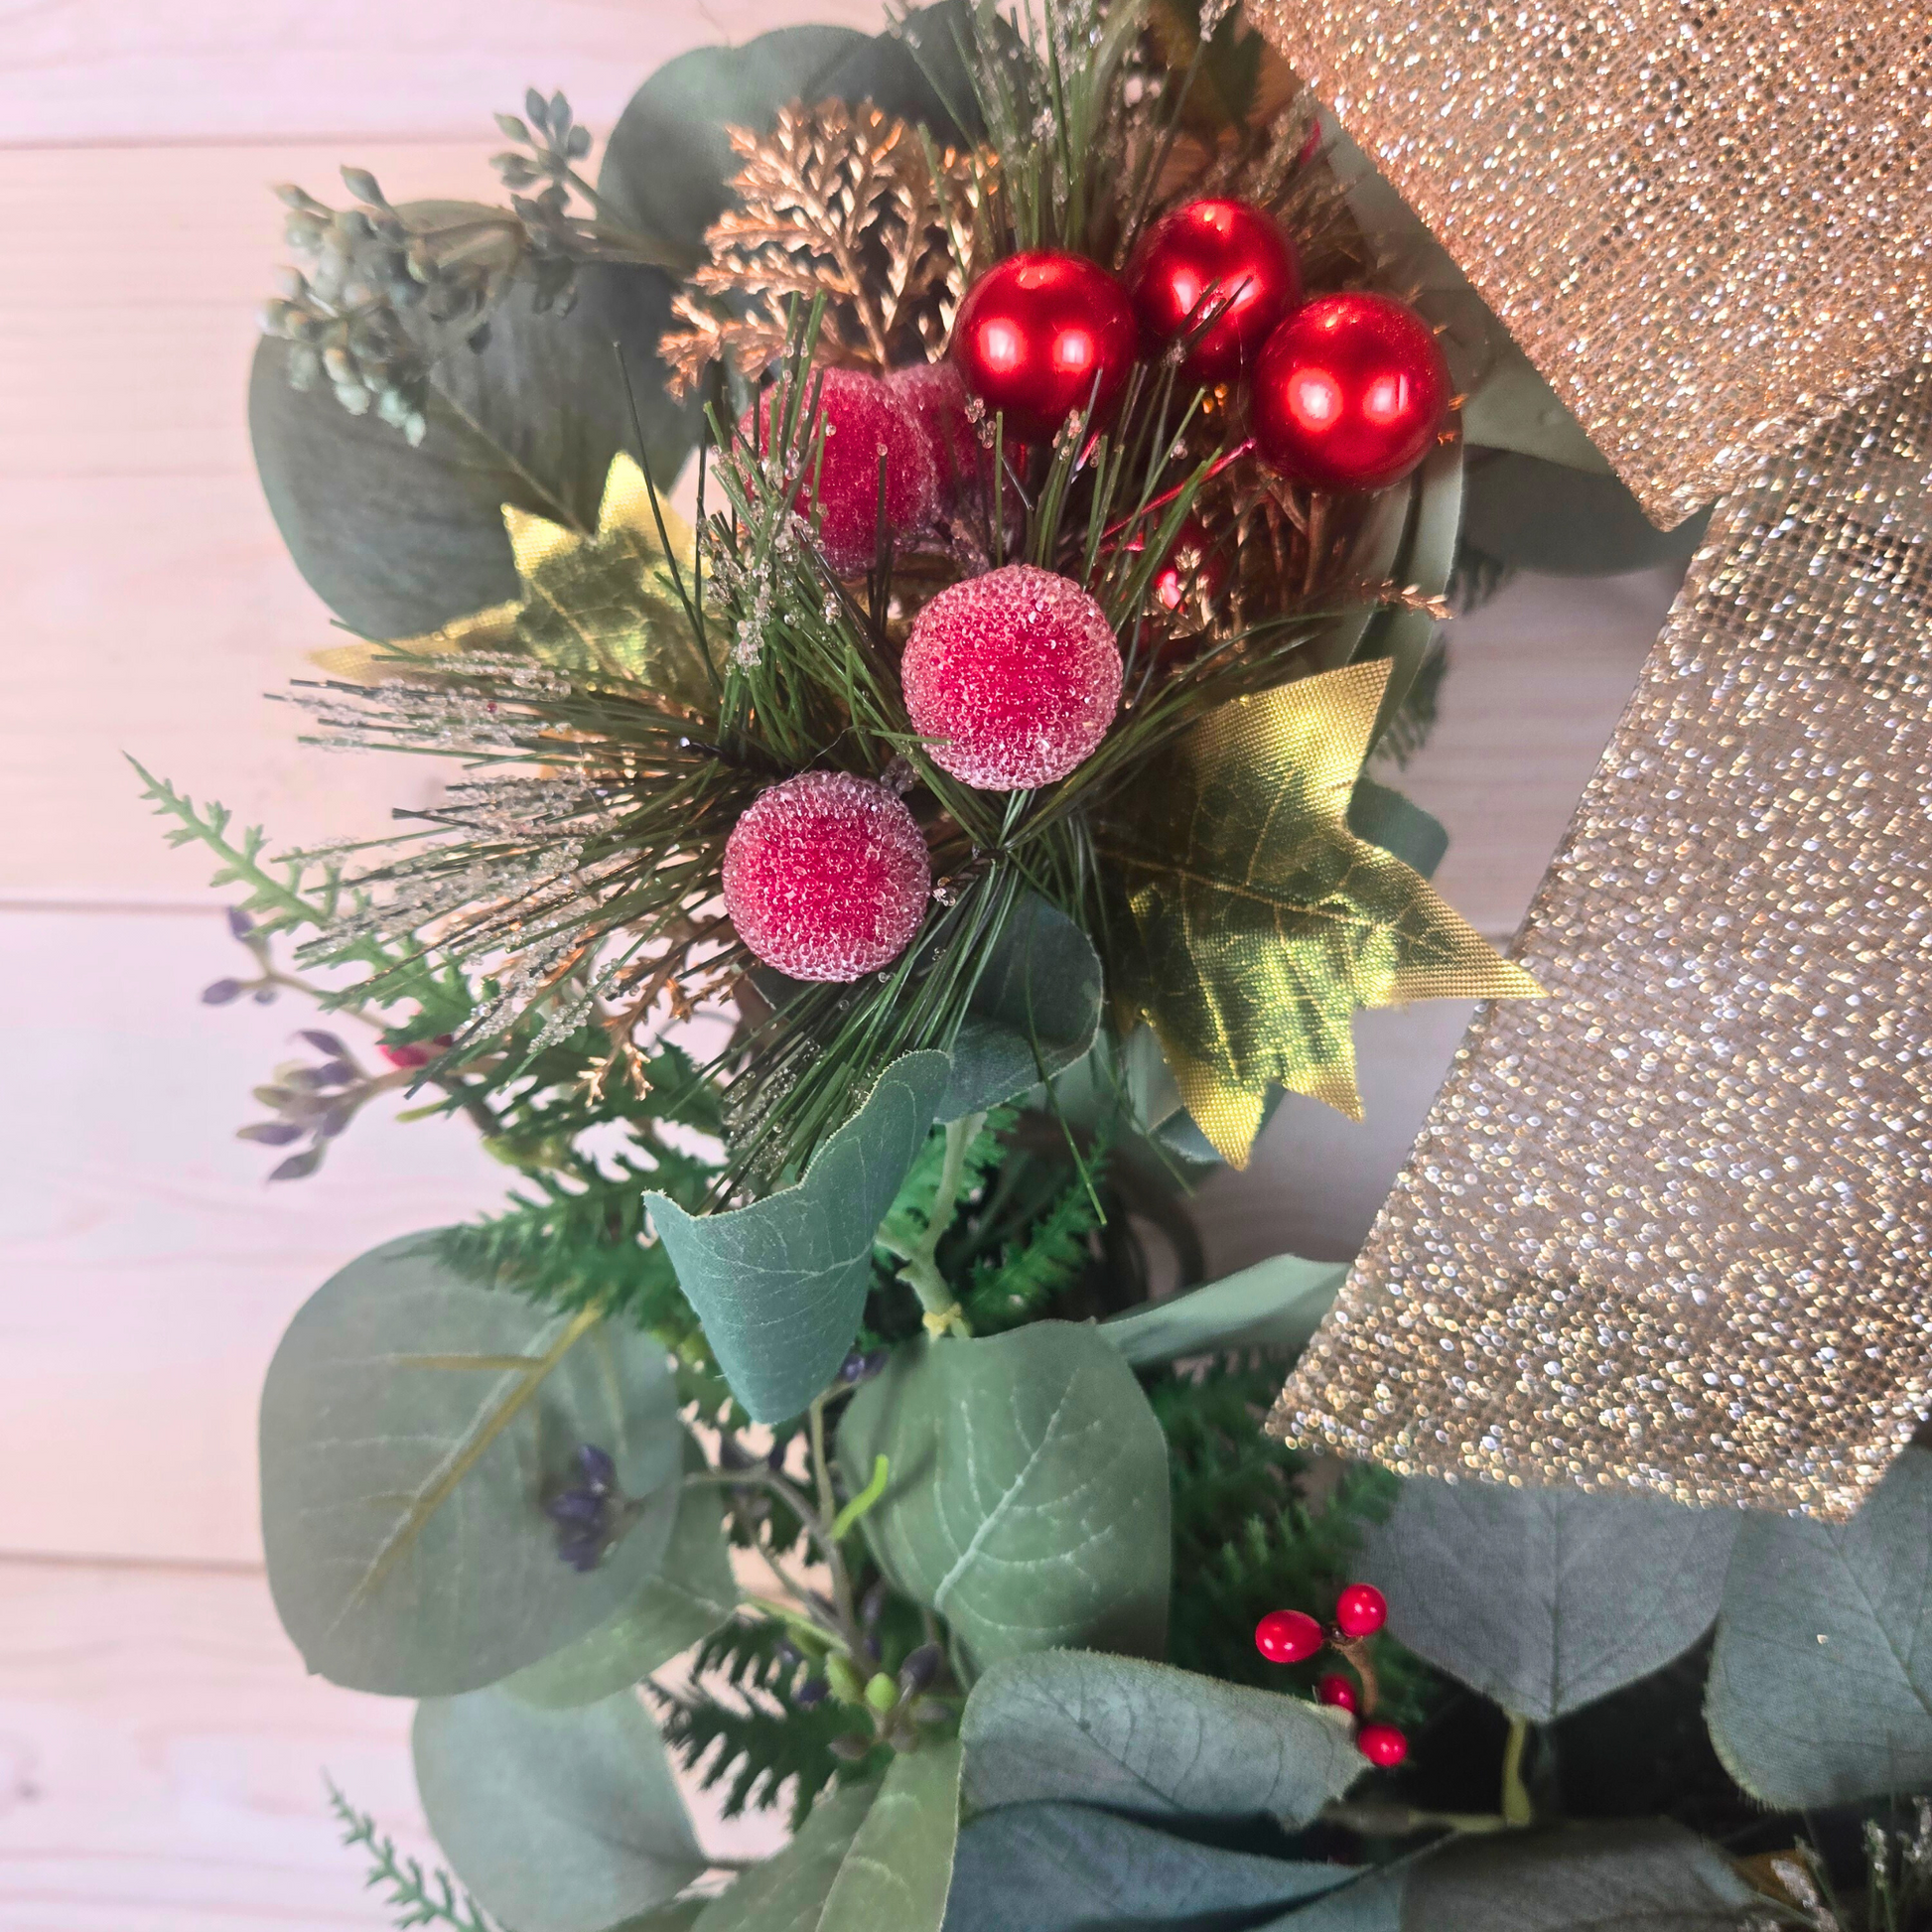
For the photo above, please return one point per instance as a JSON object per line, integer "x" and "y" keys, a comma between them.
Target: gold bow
{"x": 1668, "y": 1228}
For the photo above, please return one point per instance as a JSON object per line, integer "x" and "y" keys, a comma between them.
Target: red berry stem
{"x": 1354, "y": 1651}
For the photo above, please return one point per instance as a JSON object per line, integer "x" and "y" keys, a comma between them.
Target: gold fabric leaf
{"x": 1260, "y": 922}
{"x": 836, "y": 200}
{"x": 604, "y": 603}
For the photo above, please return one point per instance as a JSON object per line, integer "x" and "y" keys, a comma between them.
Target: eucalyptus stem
{"x": 922, "y": 1269}
{"x": 1516, "y": 1805}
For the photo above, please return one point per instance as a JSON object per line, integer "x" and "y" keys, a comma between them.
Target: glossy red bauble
{"x": 1349, "y": 393}
{"x": 1014, "y": 676}
{"x": 1041, "y": 336}
{"x": 827, "y": 875}
{"x": 1225, "y": 269}
{"x": 1362, "y": 1610}
{"x": 1193, "y": 564}
{"x": 1338, "y": 1691}
{"x": 865, "y": 419}
{"x": 1288, "y": 1636}
{"x": 1382, "y": 1744}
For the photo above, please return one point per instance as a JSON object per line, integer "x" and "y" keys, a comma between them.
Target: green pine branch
{"x": 415, "y": 1897}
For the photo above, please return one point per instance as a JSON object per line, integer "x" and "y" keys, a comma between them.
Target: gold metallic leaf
{"x": 1260, "y": 922}
{"x": 605, "y": 604}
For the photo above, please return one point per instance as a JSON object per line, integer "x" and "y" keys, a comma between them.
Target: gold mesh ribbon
{"x": 1704, "y": 220}
{"x": 1672, "y": 1226}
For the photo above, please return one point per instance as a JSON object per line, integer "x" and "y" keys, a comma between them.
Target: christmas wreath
{"x": 857, "y": 909}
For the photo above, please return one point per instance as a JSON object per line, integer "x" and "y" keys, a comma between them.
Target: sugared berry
{"x": 1382, "y": 1744}
{"x": 936, "y": 395}
{"x": 1288, "y": 1636}
{"x": 826, "y": 877}
{"x": 1014, "y": 676}
{"x": 1362, "y": 1610}
{"x": 864, "y": 421}
{"x": 1338, "y": 1691}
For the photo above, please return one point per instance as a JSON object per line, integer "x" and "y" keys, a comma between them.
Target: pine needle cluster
{"x": 416, "y": 1897}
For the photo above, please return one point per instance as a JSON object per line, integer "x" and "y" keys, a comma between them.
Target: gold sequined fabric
{"x": 1672, "y": 1226}
{"x": 1704, "y": 220}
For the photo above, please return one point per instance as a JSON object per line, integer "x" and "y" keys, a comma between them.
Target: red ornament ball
{"x": 1382, "y": 1744}
{"x": 936, "y": 395}
{"x": 1016, "y": 675}
{"x": 1223, "y": 263}
{"x": 826, "y": 876}
{"x": 1191, "y": 563}
{"x": 1362, "y": 1610}
{"x": 1349, "y": 393}
{"x": 1041, "y": 336}
{"x": 1338, "y": 1691}
{"x": 1288, "y": 1636}
{"x": 863, "y": 419}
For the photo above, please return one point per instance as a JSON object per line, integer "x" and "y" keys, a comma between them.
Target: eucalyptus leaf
{"x": 411, "y": 1422}
{"x": 1428, "y": 556}
{"x": 1027, "y": 1497}
{"x": 669, "y": 159}
{"x": 1384, "y": 817}
{"x": 1276, "y": 1303}
{"x": 1602, "y": 1589}
{"x": 869, "y": 1859}
{"x": 1513, "y": 408}
{"x": 1069, "y": 1867}
{"x": 780, "y": 1284}
{"x": 1035, "y": 1011}
{"x": 1146, "y": 1737}
{"x": 1371, "y": 560}
{"x": 556, "y": 1821}
{"x": 1821, "y": 1682}
{"x": 1639, "y": 1875}
{"x": 398, "y": 542}
{"x": 1539, "y": 515}
{"x": 691, "y": 1594}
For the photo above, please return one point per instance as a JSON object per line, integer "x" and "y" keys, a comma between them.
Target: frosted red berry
{"x": 936, "y": 395}
{"x": 1288, "y": 1636}
{"x": 827, "y": 875}
{"x": 1013, "y": 677}
{"x": 1338, "y": 1692}
{"x": 1382, "y": 1744}
{"x": 863, "y": 419}
{"x": 1362, "y": 1610}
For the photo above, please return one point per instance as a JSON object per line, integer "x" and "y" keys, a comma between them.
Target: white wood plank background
{"x": 160, "y": 1747}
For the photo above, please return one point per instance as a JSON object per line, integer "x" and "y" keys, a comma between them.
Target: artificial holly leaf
{"x": 1260, "y": 922}
{"x": 605, "y": 604}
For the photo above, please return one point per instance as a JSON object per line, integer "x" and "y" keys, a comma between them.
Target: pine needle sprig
{"x": 415, "y": 1897}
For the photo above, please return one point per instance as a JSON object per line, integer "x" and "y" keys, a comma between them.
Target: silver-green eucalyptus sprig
{"x": 384, "y": 292}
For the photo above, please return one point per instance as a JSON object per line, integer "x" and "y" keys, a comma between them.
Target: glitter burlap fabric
{"x": 1704, "y": 220}
{"x": 1672, "y": 1226}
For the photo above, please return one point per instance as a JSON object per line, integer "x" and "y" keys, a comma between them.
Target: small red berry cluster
{"x": 1293, "y": 1637}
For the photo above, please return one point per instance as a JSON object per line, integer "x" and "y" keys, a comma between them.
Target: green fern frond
{"x": 1054, "y": 1254}
{"x": 766, "y": 1748}
{"x": 415, "y": 1897}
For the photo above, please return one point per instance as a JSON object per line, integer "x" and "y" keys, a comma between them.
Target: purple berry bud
{"x": 576, "y": 1507}
{"x": 221, "y": 993}
{"x": 919, "y": 1669}
{"x": 813, "y": 1690}
{"x": 298, "y": 1167}
{"x": 324, "y": 1042}
{"x": 853, "y": 1368}
{"x": 582, "y": 1553}
{"x": 264, "y": 995}
{"x": 270, "y": 1133}
{"x": 873, "y": 1604}
{"x": 599, "y": 1470}
{"x": 332, "y": 1122}
{"x": 240, "y": 924}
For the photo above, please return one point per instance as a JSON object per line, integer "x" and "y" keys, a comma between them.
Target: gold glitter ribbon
{"x": 1671, "y": 1227}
